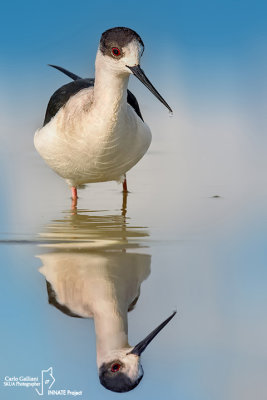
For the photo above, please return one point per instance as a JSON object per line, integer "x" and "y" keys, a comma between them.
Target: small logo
{"x": 42, "y": 385}
{"x": 47, "y": 380}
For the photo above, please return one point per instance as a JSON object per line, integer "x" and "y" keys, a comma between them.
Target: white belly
{"x": 83, "y": 147}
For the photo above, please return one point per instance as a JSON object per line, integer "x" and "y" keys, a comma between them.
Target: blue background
{"x": 209, "y": 60}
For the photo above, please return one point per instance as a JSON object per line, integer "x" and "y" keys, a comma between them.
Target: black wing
{"x": 131, "y": 99}
{"x": 63, "y": 94}
{"x": 52, "y": 299}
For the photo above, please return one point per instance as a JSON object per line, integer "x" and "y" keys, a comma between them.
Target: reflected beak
{"x": 139, "y": 73}
{"x": 141, "y": 346}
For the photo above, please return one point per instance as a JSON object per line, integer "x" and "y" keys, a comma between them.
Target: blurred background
{"x": 200, "y": 193}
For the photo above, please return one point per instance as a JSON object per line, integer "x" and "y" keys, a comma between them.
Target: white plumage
{"x": 96, "y": 135}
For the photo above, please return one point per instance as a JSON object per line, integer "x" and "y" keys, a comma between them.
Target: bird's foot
{"x": 74, "y": 197}
{"x": 124, "y": 186}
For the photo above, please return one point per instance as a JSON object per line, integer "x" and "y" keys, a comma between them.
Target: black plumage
{"x": 118, "y": 37}
{"x": 63, "y": 94}
{"x": 116, "y": 382}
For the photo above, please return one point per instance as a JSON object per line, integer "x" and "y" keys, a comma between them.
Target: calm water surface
{"x": 193, "y": 229}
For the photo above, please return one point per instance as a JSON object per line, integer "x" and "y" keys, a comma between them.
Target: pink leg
{"x": 124, "y": 186}
{"x": 74, "y": 196}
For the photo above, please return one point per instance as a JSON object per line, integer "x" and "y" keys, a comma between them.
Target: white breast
{"x": 82, "y": 145}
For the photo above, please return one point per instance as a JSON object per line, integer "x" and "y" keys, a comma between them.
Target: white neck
{"x": 111, "y": 327}
{"x": 110, "y": 89}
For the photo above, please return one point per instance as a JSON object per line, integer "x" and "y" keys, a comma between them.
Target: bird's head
{"x": 121, "y": 50}
{"x": 121, "y": 370}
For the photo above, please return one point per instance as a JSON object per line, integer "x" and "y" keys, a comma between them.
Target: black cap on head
{"x": 118, "y": 37}
{"x": 118, "y": 381}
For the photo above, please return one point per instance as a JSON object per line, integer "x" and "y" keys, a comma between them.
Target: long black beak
{"x": 140, "y": 347}
{"x": 139, "y": 73}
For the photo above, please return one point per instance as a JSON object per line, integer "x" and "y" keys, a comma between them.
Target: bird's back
{"x": 62, "y": 95}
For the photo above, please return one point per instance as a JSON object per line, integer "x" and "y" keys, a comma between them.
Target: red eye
{"x": 115, "y": 51}
{"x": 115, "y": 367}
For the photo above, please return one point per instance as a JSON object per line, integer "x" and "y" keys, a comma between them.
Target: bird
{"x": 91, "y": 275}
{"x": 103, "y": 286}
{"x": 93, "y": 129}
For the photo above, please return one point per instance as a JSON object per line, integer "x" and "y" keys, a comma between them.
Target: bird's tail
{"x": 66, "y": 72}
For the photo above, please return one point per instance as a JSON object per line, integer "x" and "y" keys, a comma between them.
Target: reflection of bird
{"x": 93, "y": 129}
{"x": 92, "y": 276}
{"x": 81, "y": 229}
{"x": 104, "y": 286}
